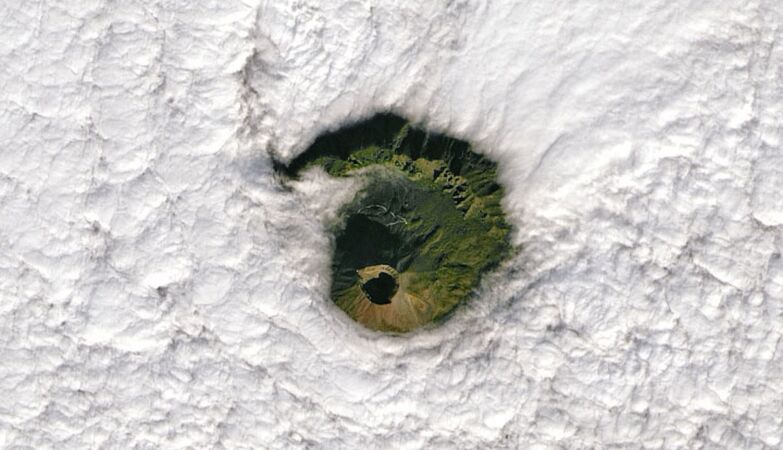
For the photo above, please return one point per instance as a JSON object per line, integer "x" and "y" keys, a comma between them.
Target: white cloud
{"x": 637, "y": 143}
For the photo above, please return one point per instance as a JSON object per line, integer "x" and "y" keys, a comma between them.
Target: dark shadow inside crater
{"x": 381, "y": 289}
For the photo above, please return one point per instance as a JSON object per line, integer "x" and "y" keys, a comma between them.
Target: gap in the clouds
{"x": 428, "y": 223}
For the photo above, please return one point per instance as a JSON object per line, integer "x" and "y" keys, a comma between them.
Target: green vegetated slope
{"x": 429, "y": 216}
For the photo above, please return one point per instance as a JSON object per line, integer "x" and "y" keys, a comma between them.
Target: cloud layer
{"x": 160, "y": 288}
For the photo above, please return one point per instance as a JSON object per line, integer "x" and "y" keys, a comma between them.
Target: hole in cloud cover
{"x": 415, "y": 240}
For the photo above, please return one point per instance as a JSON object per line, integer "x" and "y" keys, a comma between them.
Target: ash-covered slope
{"x": 158, "y": 288}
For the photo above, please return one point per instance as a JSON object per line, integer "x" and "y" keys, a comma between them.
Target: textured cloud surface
{"x": 159, "y": 287}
